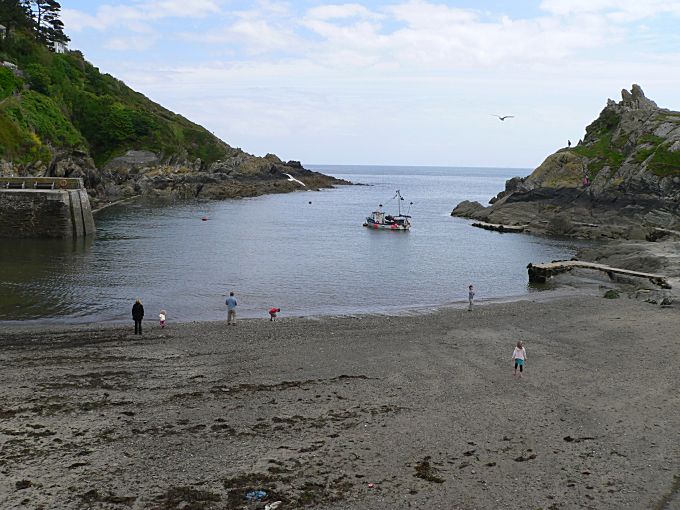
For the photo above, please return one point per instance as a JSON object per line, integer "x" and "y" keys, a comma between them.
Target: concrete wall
{"x": 63, "y": 212}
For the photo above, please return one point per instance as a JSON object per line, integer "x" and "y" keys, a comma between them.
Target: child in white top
{"x": 161, "y": 317}
{"x": 519, "y": 356}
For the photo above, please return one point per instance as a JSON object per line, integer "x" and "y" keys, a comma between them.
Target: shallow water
{"x": 278, "y": 250}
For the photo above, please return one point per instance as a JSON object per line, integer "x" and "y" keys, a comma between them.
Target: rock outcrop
{"x": 143, "y": 172}
{"x": 235, "y": 176}
{"x": 61, "y": 117}
{"x": 621, "y": 181}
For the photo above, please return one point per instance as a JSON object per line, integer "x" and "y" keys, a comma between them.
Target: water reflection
{"x": 35, "y": 273}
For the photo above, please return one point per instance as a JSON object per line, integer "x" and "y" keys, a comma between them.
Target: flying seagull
{"x": 293, "y": 179}
{"x": 503, "y": 117}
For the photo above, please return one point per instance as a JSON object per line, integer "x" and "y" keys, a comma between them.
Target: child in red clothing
{"x": 273, "y": 312}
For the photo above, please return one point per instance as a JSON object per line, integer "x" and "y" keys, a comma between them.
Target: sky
{"x": 396, "y": 82}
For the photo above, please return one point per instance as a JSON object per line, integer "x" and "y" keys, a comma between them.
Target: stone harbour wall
{"x": 38, "y": 210}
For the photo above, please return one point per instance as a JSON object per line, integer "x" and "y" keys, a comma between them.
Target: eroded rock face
{"x": 621, "y": 181}
{"x": 133, "y": 159}
{"x": 141, "y": 172}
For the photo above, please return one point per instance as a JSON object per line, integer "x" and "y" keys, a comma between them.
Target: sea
{"x": 304, "y": 252}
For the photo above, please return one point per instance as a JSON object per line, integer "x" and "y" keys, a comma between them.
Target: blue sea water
{"x": 306, "y": 253}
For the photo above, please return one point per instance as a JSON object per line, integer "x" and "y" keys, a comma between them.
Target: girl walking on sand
{"x": 519, "y": 356}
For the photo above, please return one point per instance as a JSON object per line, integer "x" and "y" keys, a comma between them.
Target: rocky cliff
{"x": 61, "y": 117}
{"x": 621, "y": 181}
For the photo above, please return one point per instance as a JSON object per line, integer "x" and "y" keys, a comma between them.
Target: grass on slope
{"x": 71, "y": 104}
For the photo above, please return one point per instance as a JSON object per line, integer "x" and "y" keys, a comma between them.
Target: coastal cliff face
{"x": 621, "y": 181}
{"x": 61, "y": 117}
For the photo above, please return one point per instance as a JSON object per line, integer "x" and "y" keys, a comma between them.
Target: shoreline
{"x": 547, "y": 294}
{"x": 423, "y": 407}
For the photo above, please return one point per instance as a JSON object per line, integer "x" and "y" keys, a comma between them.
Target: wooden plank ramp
{"x": 539, "y": 273}
{"x": 497, "y": 227}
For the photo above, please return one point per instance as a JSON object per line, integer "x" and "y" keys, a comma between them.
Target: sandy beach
{"x": 366, "y": 412}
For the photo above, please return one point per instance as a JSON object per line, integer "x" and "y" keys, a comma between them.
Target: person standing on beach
{"x": 471, "y": 296}
{"x": 231, "y": 309}
{"x": 137, "y": 316}
{"x": 519, "y": 356}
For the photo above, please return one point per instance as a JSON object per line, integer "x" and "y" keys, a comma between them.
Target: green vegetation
{"x": 39, "y": 114}
{"x": 9, "y": 84}
{"x": 651, "y": 139}
{"x": 20, "y": 145}
{"x": 600, "y": 154}
{"x": 643, "y": 153}
{"x": 649, "y": 143}
{"x": 603, "y": 125}
{"x": 63, "y": 101}
{"x": 664, "y": 162}
{"x": 601, "y": 147}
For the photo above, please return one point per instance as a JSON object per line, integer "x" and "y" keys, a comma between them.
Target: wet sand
{"x": 370, "y": 412}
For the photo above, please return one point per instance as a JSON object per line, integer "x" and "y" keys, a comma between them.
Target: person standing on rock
{"x": 231, "y": 309}
{"x": 137, "y": 316}
{"x": 471, "y": 296}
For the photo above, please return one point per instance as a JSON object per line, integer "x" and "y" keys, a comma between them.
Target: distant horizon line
{"x": 420, "y": 166}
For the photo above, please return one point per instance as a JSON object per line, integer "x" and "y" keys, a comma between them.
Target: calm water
{"x": 278, "y": 250}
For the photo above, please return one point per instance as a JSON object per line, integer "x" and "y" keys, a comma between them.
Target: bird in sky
{"x": 293, "y": 179}
{"x": 503, "y": 117}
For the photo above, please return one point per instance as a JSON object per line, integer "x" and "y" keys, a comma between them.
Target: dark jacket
{"x": 137, "y": 311}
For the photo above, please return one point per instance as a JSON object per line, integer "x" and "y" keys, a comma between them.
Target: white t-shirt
{"x": 161, "y": 316}
{"x": 519, "y": 353}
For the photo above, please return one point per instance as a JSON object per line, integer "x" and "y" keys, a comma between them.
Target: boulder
{"x": 468, "y": 209}
{"x": 132, "y": 159}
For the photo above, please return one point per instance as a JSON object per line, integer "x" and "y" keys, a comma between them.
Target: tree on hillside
{"x": 48, "y": 26}
{"x": 15, "y": 13}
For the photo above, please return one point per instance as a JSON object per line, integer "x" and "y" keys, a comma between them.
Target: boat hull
{"x": 379, "y": 226}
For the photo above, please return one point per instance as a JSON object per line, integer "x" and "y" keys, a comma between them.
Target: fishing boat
{"x": 378, "y": 220}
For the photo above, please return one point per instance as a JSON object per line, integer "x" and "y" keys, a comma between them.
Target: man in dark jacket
{"x": 137, "y": 316}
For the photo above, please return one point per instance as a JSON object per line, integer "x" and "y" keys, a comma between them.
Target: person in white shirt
{"x": 161, "y": 318}
{"x": 519, "y": 356}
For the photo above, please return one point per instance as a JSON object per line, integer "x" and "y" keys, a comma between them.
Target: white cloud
{"x": 620, "y": 11}
{"x": 138, "y": 16}
{"x": 423, "y": 14}
{"x": 411, "y": 79}
{"x": 131, "y": 43}
{"x": 267, "y": 28}
{"x": 341, "y": 11}
{"x": 430, "y": 35}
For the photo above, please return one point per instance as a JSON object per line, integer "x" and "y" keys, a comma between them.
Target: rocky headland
{"x": 620, "y": 184}
{"x": 622, "y": 181}
{"x": 61, "y": 117}
{"x": 236, "y": 175}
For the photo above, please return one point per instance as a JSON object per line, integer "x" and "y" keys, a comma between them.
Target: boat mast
{"x": 399, "y": 199}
